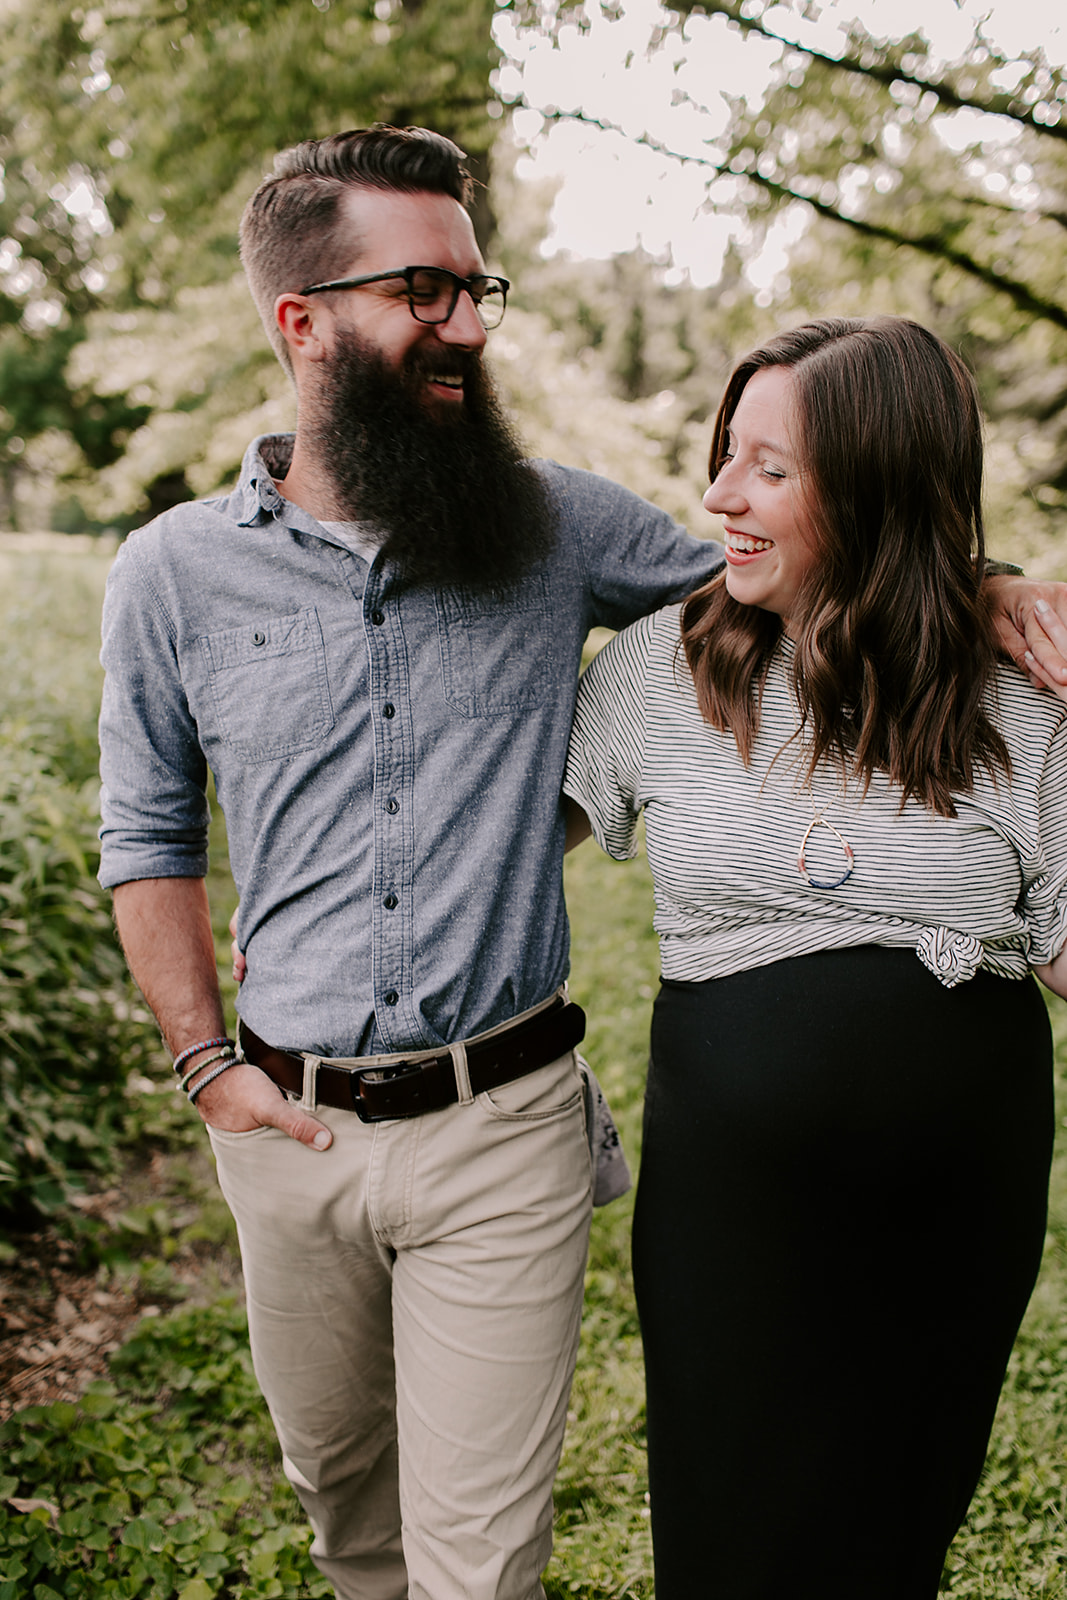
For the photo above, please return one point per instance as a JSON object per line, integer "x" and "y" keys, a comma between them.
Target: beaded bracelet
{"x": 194, "y": 1050}
{"x": 220, "y": 1055}
{"x": 224, "y": 1066}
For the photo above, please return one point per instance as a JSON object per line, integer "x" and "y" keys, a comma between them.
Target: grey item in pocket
{"x": 611, "y": 1171}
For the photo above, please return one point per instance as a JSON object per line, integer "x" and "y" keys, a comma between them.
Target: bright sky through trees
{"x": 616, "y": 193}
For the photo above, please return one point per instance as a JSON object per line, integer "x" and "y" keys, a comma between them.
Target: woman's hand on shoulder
{"x": 1031, "y": 625}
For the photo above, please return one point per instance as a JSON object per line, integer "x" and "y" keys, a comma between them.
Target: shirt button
{"x": 390, "y": 997}
{"x": 389, "y": 710}
{"x": 392, "y": 805}
{"x": 390, "y": 902}
{"x": 377, "y": 617}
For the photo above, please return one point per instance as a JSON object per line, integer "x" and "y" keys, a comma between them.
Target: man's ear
{"x": 303, "y": 324}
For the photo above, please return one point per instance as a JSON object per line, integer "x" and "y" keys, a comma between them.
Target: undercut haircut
{"x": 289, "y": 233}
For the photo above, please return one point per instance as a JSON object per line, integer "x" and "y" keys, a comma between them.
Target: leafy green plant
{"x": 76, "y": 1046}
{"x": 69, "y": 1033}
{"x": 602, "y": 1548}
{"x": 164, "y": 1482}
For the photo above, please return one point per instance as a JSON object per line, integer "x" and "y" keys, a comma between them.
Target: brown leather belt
{"x": 408, "y": 1088}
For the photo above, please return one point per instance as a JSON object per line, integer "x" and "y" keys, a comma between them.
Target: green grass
{"x": 603, "y": 1545}
{"x": 166, "y": 1481}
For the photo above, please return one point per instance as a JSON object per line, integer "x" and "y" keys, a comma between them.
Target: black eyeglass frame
{"x": 408, "y": 273}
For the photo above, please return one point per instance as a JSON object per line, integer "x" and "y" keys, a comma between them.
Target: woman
{"x": 857, "y": 827}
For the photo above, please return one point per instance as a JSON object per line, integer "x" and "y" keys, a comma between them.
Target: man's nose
{"x": 464, "y": 326}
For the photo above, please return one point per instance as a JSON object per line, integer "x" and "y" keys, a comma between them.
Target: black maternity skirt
{"x": 839, "y": 1222}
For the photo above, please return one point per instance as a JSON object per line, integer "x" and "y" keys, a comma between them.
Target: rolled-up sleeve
{"x": 606, "y": 753}
{"x": 1045, "y": 899}
{"x": 153, "y": 799}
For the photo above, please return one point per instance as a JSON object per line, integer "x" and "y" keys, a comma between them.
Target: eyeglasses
{"x": 432, "y": 293}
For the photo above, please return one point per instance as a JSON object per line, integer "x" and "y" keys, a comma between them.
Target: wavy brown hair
{"x": 894, "y": 647}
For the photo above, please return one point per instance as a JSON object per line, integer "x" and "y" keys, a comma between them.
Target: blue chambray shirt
{"x": 389, "y": 760}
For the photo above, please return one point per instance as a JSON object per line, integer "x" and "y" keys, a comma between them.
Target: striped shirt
{"x": 985, "y": 888}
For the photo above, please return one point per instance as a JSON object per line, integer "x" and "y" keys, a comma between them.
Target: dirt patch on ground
{"x": 57, "y": 1324}
{"x": 60, "y": 1321}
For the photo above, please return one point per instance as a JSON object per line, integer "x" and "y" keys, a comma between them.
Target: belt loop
{"x": 308, "y": 1101}
{"x": 458, "y": 1052}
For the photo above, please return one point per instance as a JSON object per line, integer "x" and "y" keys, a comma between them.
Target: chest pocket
{"x": 495, "y": 654}
{"x": 268, "y": 684}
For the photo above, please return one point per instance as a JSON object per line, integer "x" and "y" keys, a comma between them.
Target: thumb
{"x": 292, "y": 1120}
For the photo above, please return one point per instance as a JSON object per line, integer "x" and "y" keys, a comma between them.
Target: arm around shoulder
{"x": 636, "y": 557}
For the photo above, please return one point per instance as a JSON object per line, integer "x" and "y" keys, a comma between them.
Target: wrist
{"x": 207, "y": 1071}
{"x": 201, "y": 1047}
{"x": 201, "y": 1064}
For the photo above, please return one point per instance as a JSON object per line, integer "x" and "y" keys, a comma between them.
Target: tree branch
{"x": 996, "y": 105}
{"x": 926, "y": 243}
{"x": 929, "y": 244}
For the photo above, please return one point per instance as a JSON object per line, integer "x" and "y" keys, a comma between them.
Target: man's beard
{"x": 449, "y": 488}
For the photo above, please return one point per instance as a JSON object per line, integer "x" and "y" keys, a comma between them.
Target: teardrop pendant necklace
{"x": 819, "y": 820}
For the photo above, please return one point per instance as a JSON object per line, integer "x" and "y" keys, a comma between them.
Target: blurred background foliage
{"x": 132, "y": 368}
{"x": 131, "y": 134}
{"x": 133, "y": 372}
{"x": 76, "y": 1041}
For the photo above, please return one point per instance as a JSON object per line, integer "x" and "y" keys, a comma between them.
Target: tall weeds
{"x": 72, "y": 1031}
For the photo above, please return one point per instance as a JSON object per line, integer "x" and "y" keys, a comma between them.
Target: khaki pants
{"x": 414, "y": 1295}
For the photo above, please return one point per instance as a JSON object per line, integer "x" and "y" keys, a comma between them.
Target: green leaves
{"x": 71, "y": 1031}
{"x": 170, "y": 114}
{"x": 167, "y": 1480}
{"x": 131, "y": 135}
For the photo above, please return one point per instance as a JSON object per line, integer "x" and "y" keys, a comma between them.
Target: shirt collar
{"x": 257, "y": 498}
{"x": 266, "y": 458}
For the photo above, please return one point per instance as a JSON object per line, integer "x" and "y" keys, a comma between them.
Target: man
{"x": 373, "y": 644}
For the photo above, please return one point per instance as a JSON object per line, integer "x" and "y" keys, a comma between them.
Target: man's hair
{"x": 895, "y": 647}
{"x": 289, "y": 234}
